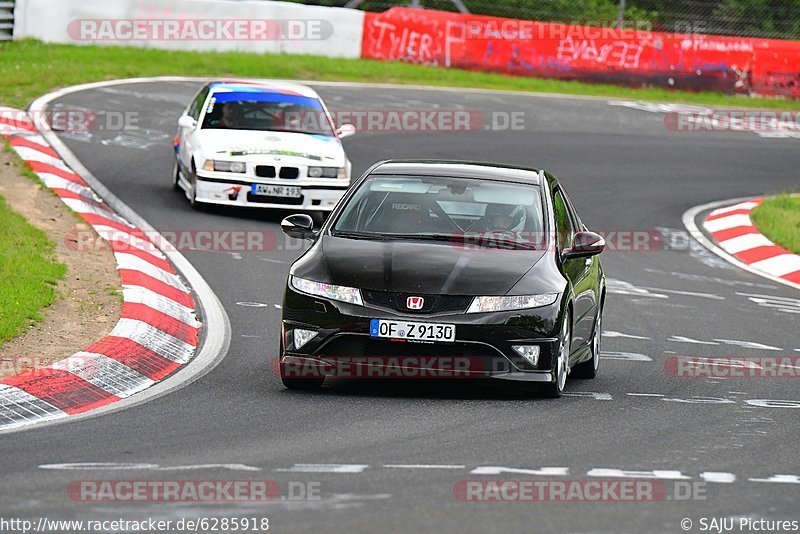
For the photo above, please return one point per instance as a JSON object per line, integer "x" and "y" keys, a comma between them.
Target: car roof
{"x": 460, "y": 169}
{"x": 262, "y": 86}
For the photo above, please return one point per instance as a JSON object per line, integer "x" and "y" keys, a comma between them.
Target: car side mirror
{"x": 298, "y": 226}
{"x": 187, "y": 122}
{"x": 584, "y": 245}
{"x": 346, "y": 130}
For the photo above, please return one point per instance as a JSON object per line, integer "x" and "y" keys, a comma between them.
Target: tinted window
{"x": 197, "y": 104}
{"x": 443, "y": 206}
{"x": 267, "y": 111}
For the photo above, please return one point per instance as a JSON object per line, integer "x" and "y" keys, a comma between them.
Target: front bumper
{"x": 317, "y": 194}
{"x": 344, "y": 348}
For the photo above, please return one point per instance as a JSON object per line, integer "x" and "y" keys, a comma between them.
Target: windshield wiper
{"x": 357, "y": 235}
{"x": 476, "y": 240}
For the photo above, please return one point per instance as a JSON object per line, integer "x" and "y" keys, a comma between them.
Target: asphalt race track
{"x": 393, "y": 451}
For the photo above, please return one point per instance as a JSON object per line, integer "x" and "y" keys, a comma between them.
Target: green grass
{"x": 29, "y": 69}
{"x": 778, "y": 218}
{"x": 29, "y": 273}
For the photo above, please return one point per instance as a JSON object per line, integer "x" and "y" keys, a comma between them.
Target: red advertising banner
{"x": 595, "y": 54}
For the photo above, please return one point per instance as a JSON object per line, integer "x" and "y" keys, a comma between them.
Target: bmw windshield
{"x": 275, "y": 112}
{"x": 484, "y": 213}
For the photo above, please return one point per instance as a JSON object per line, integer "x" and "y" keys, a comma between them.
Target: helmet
{"x": 506, "y": 217}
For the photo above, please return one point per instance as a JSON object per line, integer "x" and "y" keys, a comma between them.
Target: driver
{"x": 231, "y": 116}
{"x": 505, "y": 218}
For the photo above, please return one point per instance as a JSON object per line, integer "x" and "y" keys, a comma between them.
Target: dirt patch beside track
{"x": 89, "y": 299}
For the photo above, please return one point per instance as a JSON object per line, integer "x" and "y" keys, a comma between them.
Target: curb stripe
{"x": 131, "y": 262}
{"x": 737, "y": 211}
{"x": 162, "y": 321}
{"x": 728, "y": 222}
{"x": 154, "y": 339}
{"x": 137, "y": 278}
{"x": 105, "y": 373}
{"x": 141, "y": 295}
{"x": 120, "y": 247}
{"x": 779, "y": 265}
{"x": 56, "y": 182}
{"x": 724, "y": 235}
{"x": 31, "y": 154}
{"x": 67, "y": 194}
{"x": 117, "y": 223}
{"x": 793, "y": 277}
{"x": 26, "y": 142}
{"x": 19, "y": 124}
{"x": 157, "y": 331}
{"x": 744, "y": 242}
{"x": 62, "y": 389}
{"x": 136, "y": 356}
{"x": 18, "y": 408}
{"x": 128, "y": 238}
{"x": 759, "y": 253}
{"x": 735, "y": 233}
{"x": 39, "y": 167}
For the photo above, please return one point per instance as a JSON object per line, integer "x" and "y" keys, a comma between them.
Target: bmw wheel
{"x": 176, "y": 176}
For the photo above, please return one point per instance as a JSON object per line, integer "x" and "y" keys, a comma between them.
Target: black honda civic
{"x": 445, "y": 269}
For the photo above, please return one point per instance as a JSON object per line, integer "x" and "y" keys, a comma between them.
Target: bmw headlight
{"x": 224, "y": 166}
{"x": 495, "y": 304}
{"x": 350, "y": 295}
{"x": 327, "y": 172}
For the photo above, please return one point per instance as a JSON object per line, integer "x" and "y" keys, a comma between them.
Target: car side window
{"x": 197, "y": 105}
{"x": 564, "y": 226}
{"x": 577, "y": 224}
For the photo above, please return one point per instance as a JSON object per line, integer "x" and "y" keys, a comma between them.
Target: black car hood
{"x": 421, "y": 267}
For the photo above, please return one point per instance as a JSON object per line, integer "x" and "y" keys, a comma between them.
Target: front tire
{"x": 555, "y": 389}
{"x": 176, "y": 177}
{"x": 192, "y": 191}
{"x": 589, "y": 368}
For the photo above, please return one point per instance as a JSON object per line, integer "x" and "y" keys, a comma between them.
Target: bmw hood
{"x": 421, "y": 267}
{"x": 260, "y": 146}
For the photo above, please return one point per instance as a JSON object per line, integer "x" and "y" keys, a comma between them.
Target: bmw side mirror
{"x": 584, "y": 245}
{"x": 298, "y": 226}
{"x": 187, "y": 122}
{"x": 346, "y": 130}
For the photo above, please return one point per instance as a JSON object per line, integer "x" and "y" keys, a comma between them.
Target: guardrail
{"x": 6, "y": 20}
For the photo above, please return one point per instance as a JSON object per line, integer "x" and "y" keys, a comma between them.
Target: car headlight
{"x": 350, "y": 295}
{"x": 495, "y": 304}
{"x": 327, "y": 172}
{"x": 224, "y": 166}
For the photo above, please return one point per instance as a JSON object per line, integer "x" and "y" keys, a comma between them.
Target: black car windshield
{"x": 275, "y": 112}
{"x": 480, "y": 212}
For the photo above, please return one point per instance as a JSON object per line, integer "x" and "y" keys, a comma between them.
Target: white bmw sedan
{"x": 261, "y": 144}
